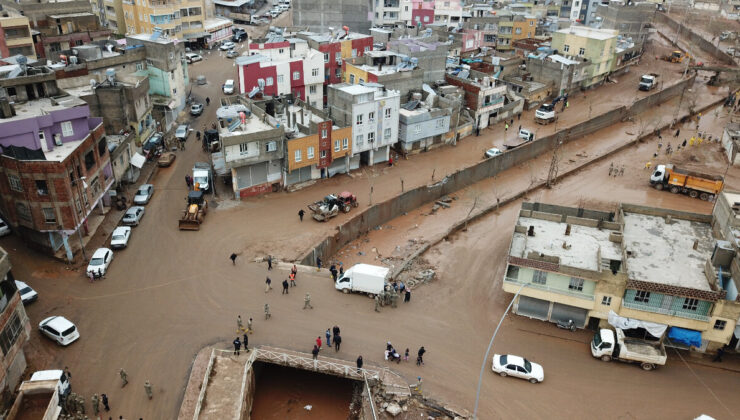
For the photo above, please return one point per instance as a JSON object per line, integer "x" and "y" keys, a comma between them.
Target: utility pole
{"x": 552, "y": 174}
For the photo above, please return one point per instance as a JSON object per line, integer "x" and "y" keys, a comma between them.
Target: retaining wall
{"x": 694, "y": 38}
{"x": 412, "y": 199}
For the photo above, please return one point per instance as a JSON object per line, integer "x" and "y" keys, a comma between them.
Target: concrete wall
{"x": 694, "y": 38}
{"x": 412, "y": 199}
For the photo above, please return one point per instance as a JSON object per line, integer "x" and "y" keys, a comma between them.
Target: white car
{"x": 100, "y": 261}
{"x": 493, "y": 152}
{"x": 133, "y": 216}
{"x": 229, "y": 87}
{"x": 144, "y": 194}
{"x": 28, "y": 295}
{"x": 518, "y": 367}
{"x": 283, "y": 7}
{"x": 59, "y": 329}
{"x": 120, "y": 237}
{"x": 228, "y": 45}
{"x": 4, "y": 228}
{"x": 193, "y": 57}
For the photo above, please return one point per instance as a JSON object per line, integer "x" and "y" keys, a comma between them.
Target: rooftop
{"x": 589, "y": 32}
{"x": 664, "y": 253}
{"x": 160, "y": 39}
{"x": 583, "y": 246}
{"x": 215, "y": 22}
{"x": 43, "y": 106}
{"x": 70, "y": 15}
{"x": 230, "y": 114}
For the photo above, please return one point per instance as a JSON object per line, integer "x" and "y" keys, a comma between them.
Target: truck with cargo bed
{"x": 695, "y": 184}
{"x": 40, "y": 398}
{"x": 363, "y": 278}
{"x": 610, "y": 345}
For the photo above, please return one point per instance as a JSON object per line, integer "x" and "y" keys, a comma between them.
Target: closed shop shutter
{"x": 564, "y": 313}
{"x": 533, "y": 308}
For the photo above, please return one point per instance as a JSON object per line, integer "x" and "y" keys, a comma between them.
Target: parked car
{"x": 144, "y": 194}
{"x": 28, "y": 295}
{"x": 166, "y": 159}
{"x": 59, "y": 329}
{"x": 239, "y": 35}
{"x": 196, "y": 109}
{"x": 228, "y": 45}
{"x": 133, "y": 216}
{"x": 232, "y": 54}
{"x": 493, "y": 152}
{"x": 275, "y": 13}
{"x": 100, "y": 261}
{"x": 518, "y": 367}
{"x": 284, "y": 7}
{"x": 155, "y": 141}
{"x": 119, "y": 238}
{"x": 4, "y": 228}
{"x": 229, "y": 87}
{"x": 182, "y": 132}
{"x": 193, "y": 57}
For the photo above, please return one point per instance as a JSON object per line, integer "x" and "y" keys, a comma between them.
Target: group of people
{"x": 331, "y": 334}
{"x": 74, "y": 407}
{"x": 393, "y": 355}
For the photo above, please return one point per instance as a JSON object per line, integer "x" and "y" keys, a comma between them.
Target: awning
{"x": 197, "y": 35}
{"x": 684, "y": 336}
{"x": 656, "y": 330}
{"x": 138, "y": 160}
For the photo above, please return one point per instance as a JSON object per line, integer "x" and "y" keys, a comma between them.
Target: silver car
{"x": 133, "y": 216}
{"x": 182, "y": 132}
{"x": 144, "y": 194}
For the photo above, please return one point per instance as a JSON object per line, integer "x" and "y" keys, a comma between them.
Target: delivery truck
{"x": 695, "y": 184}
{"x": 363, "y": 278}
{"x": 648, "y": 354}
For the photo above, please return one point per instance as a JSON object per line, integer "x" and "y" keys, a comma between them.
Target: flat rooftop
{"x": 664, "y": 253}
{"x": 43, "y": 106}
{"x": 588, "y": 32}
{"x": 584, "y": 245}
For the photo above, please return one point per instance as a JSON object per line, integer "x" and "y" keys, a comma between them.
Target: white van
{"x": 526, "y": 134}
{"x": 229, "y": 87}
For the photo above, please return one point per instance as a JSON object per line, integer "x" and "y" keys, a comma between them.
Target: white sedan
{"x": 59, "y": 329}
{"x": 100, "y": 261}
{"x": 120, "y": 237}
{"x": 493, "y": 152}
{"x": 519, "y": 367}
{"x": 228, "y": 45}
{"x": 28, "y": 295}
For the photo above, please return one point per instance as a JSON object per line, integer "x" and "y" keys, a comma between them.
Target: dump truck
{"x": 331, "y": 205}
{"x": 695, "y": 184}
{"x": 363, "y": 278}
{"x": 195, "y": 211}
{"x": 41, "y": 396}
{"x": 648, "y": 82}
{"x": 648, "y": 354}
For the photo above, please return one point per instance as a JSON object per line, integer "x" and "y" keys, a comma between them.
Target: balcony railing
{"x": 681, "y": 314}
{"x": 545, "y": 287}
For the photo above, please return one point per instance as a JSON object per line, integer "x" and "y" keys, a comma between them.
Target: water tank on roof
{"x": 722, "y": 254}
{"x": 110, "y": 75}
{"x": 88, "y": 52}
{"x": 73, "y": 60}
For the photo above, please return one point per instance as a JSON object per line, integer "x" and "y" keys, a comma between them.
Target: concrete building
{"x": 390, "y": 69}
{"x": 111, "y": 14}
{"x": 320, "y": 15}
{"x": 641, "y": 263}
{"x": 632, "y": 20}
{"x": 596, "y": 46}
{"x": 56, "y": 172}
{"x": 484, "y": 97}
{"x": 561, "y": 75}
{"x": 236, "y": 10}
{"x": 448, "y": 12}
{"x": 731, "y": 142}
{"x": 430, "y": 55}
{"x": 168, "y": 75}
{"x": 15, "y": 329}
{"x": 372, "y": 112}
{"x": 253, "y": 147}
{"x": 421, "y": 128}
{"x": 15, "y": 36}
{"x": 386, "y": 12}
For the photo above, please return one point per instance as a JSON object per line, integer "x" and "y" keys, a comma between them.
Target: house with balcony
{"x": 423, "y": 127}
{"x": 386, "y": 12}
{"x": 15, "y": 329}
{"x": 596, "y": 47}
{"x": 393, "y": 70}
{"x": 15, "y": 35}
{"x": 484, "y": 96}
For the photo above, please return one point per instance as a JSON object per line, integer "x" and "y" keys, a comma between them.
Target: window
{"x": 440, "y": 123}
{"x": 67, "y": 129}
{"x": 387, "y": 133}
{"x": 281, "y": 50}
{"x": 15, "y": 183}
{"x": 539, "y": 277}
{"x": 371, "y": 117}
{"x": 312, "y": 89}
{"x": 310, "y": 154}
{"x": 337, "y": 146}
{"x": 690, "y": 304}
{"x": 387, "y": 113}
{"x": 338, "y": 57}
{"x": 338, "y": 72}
{"x": 512, "y": 272}
{"x": 298, "y": 155}
{"x": 324, "y": 133}
{"x": 720, "y": 324}
{"x": 354, "y": 52}
{"x": 642, "y": 296}
{"x": 315, "y": 72}
{"x": 417, "y": 129}
{"x": 41, "y": 187}
{"x": 581, "y": 51}
{"x": 270, "y": 146}
{"x": 576, "y": 284}
{"x": 323, "y": 154}
{"x": 518, "y": 31}
{"x": 359, "y": 119}
{"x": 281, "y": 79}
{"x": 243, "y": 148}
{"x": 345, "y": 143}
{"x": 362, "y": 80}
{"x": 352, "y": 79}
{"x": 358, "y": 140}
{"x": 606, "y": 300}
{"x": 326, "y": 57}
{"x": 23, "y": 211}
{"x": 268, "y": 81}
{"x": 102, "y": 145}
{"x": 89, "y": 160}
{"x": 49, "y": 215}
{"x": 566, "y": 47}
{"x": 11, "y": 332}
{"x": 370, "y": 137}
{"x": 296, "y": 75}
{"x": 367, "y": 49}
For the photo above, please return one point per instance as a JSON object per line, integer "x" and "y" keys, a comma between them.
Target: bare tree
{"x": 475, "y": 202}
{"x": 552, "y": 173}
{"x": 496, "y": 191}
{"x": 371, "y": 181}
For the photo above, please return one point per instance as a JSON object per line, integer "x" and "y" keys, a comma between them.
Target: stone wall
{"x": 694, "y": 38}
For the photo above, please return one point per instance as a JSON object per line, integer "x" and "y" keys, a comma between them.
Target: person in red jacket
{"x": 318, "y": 342}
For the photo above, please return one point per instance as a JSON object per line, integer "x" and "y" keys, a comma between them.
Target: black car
{"x": 239, "y": 36}
{"x": 154, "y": 142}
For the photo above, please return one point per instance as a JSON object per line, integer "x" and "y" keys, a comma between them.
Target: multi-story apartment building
{"x": 417, "y": 12}
{"x": 111, "y": 14}
{"x": 386, "y": 12}
{"x": 15, "y": 329}
{"x": 448, "y": 12}
{"x": 422, "y": 127}
{"x": 15, "y": 35}
{"x": 632, "y": 20}
{"x": 484, "y": 97}
{"x": 372, "y": 112}
{"x": 596, "y": 46}
{"x": 642, "y": 263}
{"x": 279, "y": 66}
{"x": 430, "y": 55}
{"x": 393, "y": 70}
{"x": 186, "y": 20}
{"x": 513, "y": 27}
{"x": 55, "y": 169}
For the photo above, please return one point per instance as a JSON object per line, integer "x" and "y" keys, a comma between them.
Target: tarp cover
{"x": 138, "y": 160}
{"x": 656, "y": 330}
{"x": 684, "y": 336}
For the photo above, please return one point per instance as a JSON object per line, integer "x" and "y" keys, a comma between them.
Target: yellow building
{"x": 597, "y": 46}
{"x": 15, "y": 36}
{"x": 523, "y": 27}
{"x": 182, "y": 19}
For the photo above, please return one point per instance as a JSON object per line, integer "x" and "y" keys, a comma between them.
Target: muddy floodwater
{"x": 284, "y": 393}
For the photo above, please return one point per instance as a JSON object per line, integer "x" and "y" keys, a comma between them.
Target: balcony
{"x": 560, "y": 291}
{"x": 670, "y": 312}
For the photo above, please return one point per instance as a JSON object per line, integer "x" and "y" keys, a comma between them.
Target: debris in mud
{"x": 442, "y": 203}
{"x": 393, "y": 409}
{"x": 360, "y": 253}
{"x": 425, "y": 276}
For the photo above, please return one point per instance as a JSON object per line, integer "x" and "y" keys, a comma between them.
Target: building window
{"x": 417, "y": 129}
{"x": 352, "y": 79}
{"x": 440, "y": 123}
{"x": 642, "y": 296}
{"x": 102, "y": 145}
{"x": 270, "y": 146}
{"x": 367, "y": 49}
{"x": 606, "y": 300}
{"x": 41, "y": 187}
{"x": 371, "y": 117}
{"x": 337, "y": 146}
{"x": 345, "y": 143}
{"x": 359, "y": 119}
{"x": 354, "y": 52}
{"x": 581, "y": 51}
{"x": 518, "y": 31}
{"x": 296, "y": 75}
{"x": 362, "y": 80}
{"x": 243, "y": 148}
{"x": 576, "y": 284}
{"x": 720, "y": 324}
{"x": 338, "y": 72}
{"x": 338, "y": 57}
{"x": 281, "y": 50}
{"x": 690, "y": 304}
{"x": 324, "y": 134}
{"x": 281, "y": 79}
{"x": 312, "y": 89}
{"x": 539, "y": 277}
{"x": 370, "y": 137}
{"x": 309, "y": 153}
{"x": 15, "y": 183}
{"x": 49, "y": 215}
{"x": 67, "y": 129}
{"x": 23, "y": 211}
{"x": 11, "y": 332}
{"x": 326, "y": 57}
{"x": 298, "y": 155}
{"x": 323, "y": 154}
{"x": 512, "y": 272}
{"x": 89, "y": 160}
{"x": 387, "y": 113}
{"x": 315, "y": 72}
{"x": 268, "y": 81}
{"x": 358, "y": 141}
{"x": 387, "y": 133}
{"x": 566, "y": 47}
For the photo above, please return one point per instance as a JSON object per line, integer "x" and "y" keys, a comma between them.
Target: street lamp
{"x": 488, "y": 350}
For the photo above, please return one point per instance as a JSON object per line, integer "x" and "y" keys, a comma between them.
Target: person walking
{"x": 307, "y": 301}
{"x": 268, "y": 285}
{"x": 335, "y": 330}
{"x": 245, "y": 343}
{"x": 124, "y": 377}
{"x": 232, "y": 257}
{"x": 718, "y": 356}
{"x": 359, "y": 363}
{"x": 239, "y": 325}
{"x": 328, "y": 337}
{"x": 318, "y": 264}
{"x": 318, "y": 341}
{"x": 406, "y": 355}
{"x": 315, "y": 352}
{"x": 95, "y": 402}
{"x": 249, "y": 326}
{"x": 341, "y": 269}
{"x": 678, "y": 131}
{"x": 506, "y": 127}
{"x": 285, "y": 287}
{"x": 292, "y": 279}
{"x": 269, "y": 262}
{"x": 420, "y": 356}
{"x": 407, "y": 296}
{"x": 148, "y": 389}
{"x": 377, "y": 303}
{"x": 268, "y": 315}
{"x": 237, "y": 346}
{"x": 337, "y": 342}
{"x": 105, "y": 402}
{"x": 300, "y": 214}
{"x": 208, "y": 101}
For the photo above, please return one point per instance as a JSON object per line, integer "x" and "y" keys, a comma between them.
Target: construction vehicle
{"x": 329, "y": 207}
{"x": 648, "y": 81}
{"x": 195, "y": 211}
{"x": 682, "y": 181}
{"x": 676, "y": 57}
{"x": 545, "y": 114}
